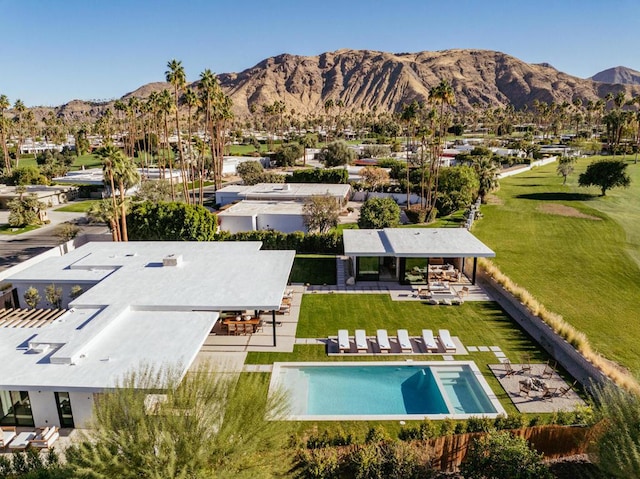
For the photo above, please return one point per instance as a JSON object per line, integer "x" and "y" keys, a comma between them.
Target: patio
{"x": 533, "y": 402}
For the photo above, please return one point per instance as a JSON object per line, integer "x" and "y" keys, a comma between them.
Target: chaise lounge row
{"x": 403, "y": 339}
{"x": 40, "y": 438}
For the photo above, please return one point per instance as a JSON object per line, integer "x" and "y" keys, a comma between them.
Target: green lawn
{"x": 88, "y": 161}
{"x": 313, "y": 269}
{"x": 5, "y": 229}
{"x": 586, "y": 269}
{"x": 475, "y": 323}
{"x": 78, "y": 206}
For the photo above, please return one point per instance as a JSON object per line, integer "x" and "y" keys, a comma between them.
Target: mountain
{"x": 622, "y": 75}
{"x": 365, "y": 79}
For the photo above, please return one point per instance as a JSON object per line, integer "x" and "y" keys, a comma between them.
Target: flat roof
{"x": 254, "y": 207}
{"x": 415, "y": 242}
{"x": 298, "y": 190}
{"x": 150, "y": 303}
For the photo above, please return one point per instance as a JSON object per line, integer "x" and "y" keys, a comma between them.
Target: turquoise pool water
{"x": 385, "y": 389}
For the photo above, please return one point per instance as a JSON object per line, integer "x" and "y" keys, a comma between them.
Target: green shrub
{"x": 376, "y": 434}
{"x": 512, "y": 421}
{"x": 480, "y": 424}
{"x": 319, "y": 175}
{"x": 416, "y": 214}
{"x": 316, "y": 464}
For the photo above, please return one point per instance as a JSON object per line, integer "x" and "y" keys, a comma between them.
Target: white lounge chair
{"x": 404, "y": 341}
{"x": 429, "y": 342}
{"x": 45, "y": 437}
{"x": 21, "y": 441}
{"x": 362, "y": 345}
{"x": 7, "y": 434}
{"x": 446, "y": 341}
{"x": 344, "y": 346}
{"x": 383, "y": 341}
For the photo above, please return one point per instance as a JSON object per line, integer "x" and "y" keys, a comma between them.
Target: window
{"x": 15, "y": 407}
{"x": 63, "y": 402}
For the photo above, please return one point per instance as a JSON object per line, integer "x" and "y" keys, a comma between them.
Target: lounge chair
{"x": 525, "y": 388}
{"x": 565, "y": 389}
{"x": 549, "y": 369}
{"x": 383, "y": 341}
{"x": 362, "y": 345}
{"x": 8, "y": 433}
{"x": 446, "y": 341}
{"x": 508, "y": 370}
{"x": 548, "y": 393}
{"x": 21, "y": 441}
{"x": 45, "y": 437}
{"x": 429, "y": 342}
{"x": 344, "y": 346}
{"x": 404, "y": 341}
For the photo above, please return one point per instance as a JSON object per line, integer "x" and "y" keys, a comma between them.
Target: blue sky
{"x": 54, "y": 51}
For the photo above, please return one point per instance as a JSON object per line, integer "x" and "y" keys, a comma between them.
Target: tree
{"x": 53, "y": 295}
{"x": 321, "y": 213}
{"x": 4, "y": 126}
{"x": 171, "y": 222}
{"x": 251, "y": 172}
{"x": 565, "y": 167}
{"x": 66, "y": 231}
{"x": 605, "y": 174}
{"x": 500, "y": 455}
{"x": 379, "y": 213}
{"x": 286, "y": 155}
{"x": 154, "y": 191}
{"x": 31, "y": 297}
{"x": 25, "y": 211}
{"x": 204, "y": 425}
{"x": 458, "y": 188}
{"x": 374, "y": 177}
{"x": 487, "y": 171}
{"x": 103, "y": 211}
{"x": 336, "y": 153}
{"x": 617, "y": 445}
{"x": 27, "y": 175}
{"x": 177, "y": 77}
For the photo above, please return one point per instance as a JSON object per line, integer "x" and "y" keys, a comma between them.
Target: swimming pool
{"x": 385, "y": 390}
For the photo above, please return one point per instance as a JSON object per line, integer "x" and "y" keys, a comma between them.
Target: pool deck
{"x": 534, "y": 403}
{"x": 417, "y": 347}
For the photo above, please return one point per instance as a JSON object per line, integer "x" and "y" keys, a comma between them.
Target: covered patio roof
{"x": 415, "y": 243}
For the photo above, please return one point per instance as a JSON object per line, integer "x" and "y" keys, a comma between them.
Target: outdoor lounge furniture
{"x": 548, "y": 393}
{"x": 21, "y": 441}
{"x": 565, "y": 389}
{"x": 45, "y": 437}
{"x": 362, "y": 345}
{"x": 8, "y": 433}
{"x": 383, "y": 341}
{"x": 525, "y": 388}
{"x": 404, "y": 341}
{"x": 508, "y": 370}
{"x": 429, "y": 341}
{"x": 343, "y": 341}
{"x": 549, "y": 369}
{"x": 446, "y": 341}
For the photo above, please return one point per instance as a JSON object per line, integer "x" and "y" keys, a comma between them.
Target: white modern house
{"x": 142, "y": 303}
{"x": 250, "y": 215}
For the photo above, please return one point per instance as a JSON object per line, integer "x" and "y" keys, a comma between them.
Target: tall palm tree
{"x": 19, "y": 108}
{"x": 4, "y": 104}
{"x": 177, "y": 77}
{"x": 192, "y": 102}
{"x": 103, "y": 211}
{"x": 165, "y": 105}
{"x": 110, "y": 157}
{"x": 442, "y": 95}
{"x": 207, "y": 86}
{"x": 126, "y": 175}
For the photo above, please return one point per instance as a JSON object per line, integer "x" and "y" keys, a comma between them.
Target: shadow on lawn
{"x": 558, "y": 196}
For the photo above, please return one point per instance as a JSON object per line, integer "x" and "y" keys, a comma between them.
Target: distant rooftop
{"x": 252, "y": 207}
{"x": 287, "y": 190}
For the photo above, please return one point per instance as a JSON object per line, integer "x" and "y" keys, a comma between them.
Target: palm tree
{"x": 126, "y": 176}
{"x": 192, "y": 101}
{"x": 487, "y": 171}
{"x": 19, "y": 108}
{"x": 103, "y": 211}
{"x": 110, "y": 157}
{"x": 4, "y": 104}
{"x": 165, "y": 104}
{"x": 177, "y": 77}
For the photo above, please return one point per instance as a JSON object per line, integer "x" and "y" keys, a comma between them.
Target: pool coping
{"x": 493, "y": 399}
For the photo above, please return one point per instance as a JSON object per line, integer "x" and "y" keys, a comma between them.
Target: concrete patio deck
{"x": 533, "y": 403}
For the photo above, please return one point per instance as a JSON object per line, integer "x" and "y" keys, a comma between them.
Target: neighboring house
{"x": 142, "y": 303}
{"x": 50, "y": 195}
{"x": 282, "y": 192}
{"x": 249, "y": 215}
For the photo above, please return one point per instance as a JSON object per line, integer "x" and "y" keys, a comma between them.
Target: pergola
{"x": 404, "y": 243}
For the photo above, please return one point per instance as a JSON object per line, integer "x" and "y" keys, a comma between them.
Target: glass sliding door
{"x": 15, "y": 408}
{"x": 63, "y": 402}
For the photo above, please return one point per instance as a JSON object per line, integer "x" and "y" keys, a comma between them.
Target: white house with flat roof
{"x": 143, "y": 303}
{"x": 250, "y": 215}
{"x": 282, "y": 192}
{"x": 376, "y": 252}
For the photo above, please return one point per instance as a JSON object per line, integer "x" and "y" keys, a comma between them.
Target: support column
{"x": 475, "y": 267}
{"x": 273, "y": 322}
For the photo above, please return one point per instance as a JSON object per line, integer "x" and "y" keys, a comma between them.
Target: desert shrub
{"x": 512, "y": 421}
{"x": 376, "y": 434}
{"x": 317, "y": 464}
{"x": 416, "y": 214}
{"x": 480, "y": 424}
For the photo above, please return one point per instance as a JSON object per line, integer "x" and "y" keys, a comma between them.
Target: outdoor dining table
{"x": 253, "y": 322}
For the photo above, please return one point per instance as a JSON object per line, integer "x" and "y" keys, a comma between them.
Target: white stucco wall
{"x": 283, "y": 223}
{"x": 235, "y": 224}
{"x": 227, "y": 197}
{"x": 43, "y": 407}
{"x": 82, "y": 407}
